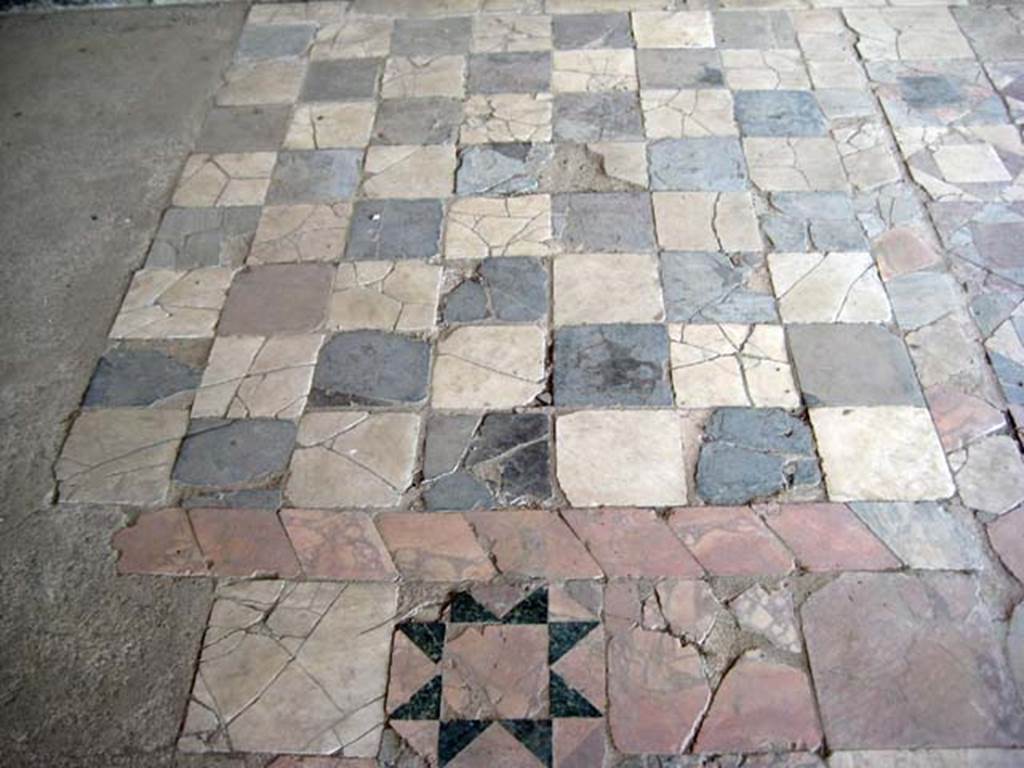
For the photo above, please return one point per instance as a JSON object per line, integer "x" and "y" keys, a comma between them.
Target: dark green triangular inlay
{"x": 455, "y": 735}
{"x": 563, "y": 635}
{"x": 425, "y": 704}
{"x": 466, "y": 610}
{"x": 535, "y": 735}
{"x": 568, "y": 702}
{"x": 427, "y": 635}
{"x": 532, "y": 609}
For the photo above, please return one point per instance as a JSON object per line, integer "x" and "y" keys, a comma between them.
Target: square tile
{"x": 511, "y": 33}
{"x": 489, "y": 367}
{"x": 394, "y": 229}
{"x": 760, "y": 70}
{"x": 274, "y": 42}
{"x": 409, "y": 171}
{"x": 754, "y": 29}
{"x": 341, "y": 80}
{"x": 668, "y": 69}
{"x": 575, "y": 32}
{"x": 243, "y": 129}
{"x": 609, "y": 222}
{"x": 704, "y": 164}
{"x": 189, "y": 238}
{"x": 608, "y": 116}
{"x": 503, "y": 169}
{"x": 907, "y": 33}
{"x": 418, "y": 121}
{"x": 420, "y": 76}
{"x": 612, "y": 364}
{"x": 249, "y": 83}
{"x": 147, "y": 374}
{"x": 224, "y": 179}
{"x": 708, "y": 287}
{"x": 277, "y": 298}
{"x": 675, "y": 114}
{"x": 673, "y": 29}
{"x": 314, "y": 176}
{"x": 434, "y": 548}
{"x": 828, "y": 288}
{"x": 581, "y": 285}
{"x": 526, "y": 72}
{"x": 165, "y": 304}
{"x": 779, "y": 113}
{"x": 387, "y": 295}
{"x": 222, "y": 455}
{"x": 812, "y": 221}
{"x": 506, "y": 117}
{"x": 296, "y": 233}
{"x": 353, "y": 37}
{"x": 621, "y": 458}
{"x": 431, "y": 37}
{"x": 264, "y": 546}
{"x": 371, "y": 368}
{"x": 329, "y": 125}
{"x": 481, "y": 227}
{"x": 885, "y": 453}
{"x": 706, "y": 221}
{"x": 340, "y": 546}
{"x": 595, "y": 69}
{"x": 505, "y": 289}
{"x": 794, "y": 164}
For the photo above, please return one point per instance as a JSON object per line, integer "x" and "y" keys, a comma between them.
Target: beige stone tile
{"x": 389, "y": 295}
{"x": 409, "y": 171}
{"x": 353, "y": 459}
{"x": 593, "y": 69}
{"x": 673, "y": 29}
{"x": 623, "y": 160}
{"x": 621, "y": 458}
{"x": 836, "y": 74}
{"x": 828, "y": 288}
{"x": 890, "y": 34}
{"x": 706, "y": 221}
{"x": 331, "y": 124}
{"x": 164, "y": 304}
{"x": 504, "y": 117}
{"x": 120, "y": 456}
{"x": 498, "y": 366}
{"x": 676, "y": 114}
{"x": 865, "y": 153}
{"x": 582, "y": 282}
{"x": 967, "y": 163}
{"x": 225, "y": 179}
{"x": 888, "y": 453}
{"x": 354, "y": 37}
{"x": 509, "y": 33}
{"x": 794, "y": 164}
{"x": 297, "y": 13}
{"x": 731, "y": 365}
{"x": 256, "y": 376}
{"x": 411, "y": 77}
{"x": 593, "y": 6}
{"x": 764, "y": 70}
{"x": 276, "y": 81}
{"x": 480, "y": 227}
{"x": 296, "y": 233}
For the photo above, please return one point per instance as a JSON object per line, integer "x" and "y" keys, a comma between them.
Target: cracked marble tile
{"x": 427, "y": 37}
{"x": 222, "y": 455}
{"x": 315, "y": 176}
{"x": 239, "y": 542}
{"x": 673, "y": 29}
{"x": 983, "y": 234}
{"x": 533, "y": 543}
{"x": 580, "y": 281}
{"x": 996, "y": 33}
{"x": 867, "y": 158}
{"x": 383, "y": 230}
{"x": 409, "y": 171}
{"x": 754, "y": 28}
{"x": 592, "y": 30}
{"x": 506, "y": 33}
{"x": 482, "y": 227}
{"x": 318, "y": 13}
{"x": 276, "y": 41}
{"x": 599, "y": 116}
{"x": 506, "y": 117}
{"x": 760, "y": 70}
{"x": 164, "y": 304}
{"x": 889, "y": 34}
{"x": 299, "y": 233}
{"x": 990, "y": 474}
{"x": 243, "y": 129}
{"x": 728, "y": 364}
{"x": 224, "y": 179}
{"x": 779, "y": 113}
{"x": 489, "y": 367}
{"x": 159, "y": 541}
{"x": 277, "y": 81}
{"x": 594, "y": 69}
{"x": 432, "y": 120}
{"x": 924, "y": 535}
{"x": 408, "y": 77}
{"x": 706, "y": 221}
{"x": 355, "y": 36}
{"x": 636, "y": 543}
{"x": 706, "y": 164}
{"x": 341, "y": 546}
{"x": 828, "y": 288}
{"x": 710, "y": 287}
{"x": 794, "y": 164}
{"x": 814, "y": 221}
{"x": 353, "y": 459}
{"x": 202, "y": 237}
{"x": 297, "y": 668}
{"x": 770, "y": 614}
{"x": 607, "y": 222}
{"x": 504, "y": 169}
{"x": 386, "y": 295}
{"x": 434, "y": 547}
{"x": 120, "y": 456}
{"x": 341, "y": 80}
{"x": 330, "y": 125}
{"x": 671, "y": 114}
{"x": 505, "y": 289}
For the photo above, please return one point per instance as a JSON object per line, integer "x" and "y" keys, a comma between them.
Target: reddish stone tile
{"x": 1007, "y": 536}
{"x": 338, "y": 545}
{"x": 410, "y": 670}
{"x": 632, "y": 542}
{"x": 582, "y": 667}
{"x": 160, "y": 541}
{"x": 574, "y": 601}
{"x": 730, "y": 541}
{"x": 828, "y": 537}
{"x": 495, "y": 748}
{"x": 961, "y": 418}
{"x": 579, "y": 743}
{"x": 277, "y": 298}
{"x": 421, "y": 736}
{"x": 433, "y": 547}
{"x": 495, "y": 671}
{"x": 244, "y": 542}
{"x": 760, "y": 705}
{"x": 681, "y": 607}
{"x": 533, "y": 542}
{"x": 900, "y": 251}
{"x": 906, "y": 661}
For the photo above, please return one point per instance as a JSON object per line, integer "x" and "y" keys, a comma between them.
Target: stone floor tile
{"x": 902, "y": 251}
{"x": 297, "y": 233}
{"x": 224, "y": 179}
{"x": 341, "y": 80}
{"x": 254, "y": 376}
{"x": 516, "y": 168}
{"x": 481, "y": 227}
{"x": 352, "y": 459}
{"x": 314, "y": 176}
{"x": 1008, "y": 79}
{"x": 189, "y": 238}
{"x": 494, "y": 742}
{"x": 609, "y": 222}
{"x": 277, "y": 298}
{"x": 779, "y": 113}
{"x": 924, "y": 758}
{"x": 244, "y": 542}
{"x": 706, "y": 287}
{"x": 889, "y": 34}
{"x": 319, "y": 12}
{"x": 489, "y": 367}
{"x": 592, "y": 30}
{"x": 431, "y": 120}
{"x": 701, "y": 164}
{"x": 852, "y": 364}
{"x": 961, "y": 418}
{"x": 660, "y": 68}
{"x": 809, "y": 221}
{"x": 761, "y": 70}
{"x": 511, "y": 33}
{"x": 120, "y": 456}
{"x": 632, "y": 543}
{"x": 533, "y": 543}
{"x": 601, "y": 116}
{"x": 353, "y": 37}
{"x": 828, "y": 288}
{"x": 751, "y": 454}
{"x": 581, "y": 280}
{"x": 294, "y": 668}
{"x": 159, "y": 541}
{"x": 398, "y": 373}
{"x": 434, "y": 547}
{"x": 726, "y": 364}
{"x": 990, "y": 474}
{"x": 706, "y": 221}
{"x": 892, "y": 628}
{"x": 506, "y": 117}
{"x": 517, "y": 72}
{"x": 945, "y": 353}
{"x": 611, "y": 364}
{"x": 155, "y": 374}
{"x": 431, "y": 37}
{"x": 922, "y": 298}
{"x": 673, "y": 29}
{"x": 220, "y": 454}
{"x": 754, "y": 29}
{"x": 883, "y": 453}
{"x": 383, "y": 230}
{"x": 243, "y": 129}
{"x": 1007, "y": 537}
{"x": 274, "y": 81}
{"x": 794, "y": 164}
{"x": 995, "y": 33}
{"x": 925, "y": 536}
{"x": 730, "y": 541}
{"x": 385, "y": 295}
{"x": 620, "y": 161}
{"x": 601, "y": 462}
{"x": 594, "y": 69}
{"x": 579, "y": 741}
{"x": 274, "y": 41}
{"x": 330, "y": 125}
{"x": 675, "y": 114}
{"x": 422, "y": 76}
{"x": 828, "y": 537}
{"x": 409, "y": 171}
{"x": 338, "y": 545}
{"x": 165, "y": 304}
{"x": 513, "y": 289}
{"x": 485, "y": 462}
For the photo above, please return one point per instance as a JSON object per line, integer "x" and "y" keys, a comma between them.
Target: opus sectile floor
{"x": 578, "y": 382}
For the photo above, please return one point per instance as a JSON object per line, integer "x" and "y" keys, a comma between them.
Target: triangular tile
{"x": 455, "y": 735}
{"x": 568, "y": 702}
{"x": 425, "y": 704}
{"x": 532, "y": 610}
{"x": 427, "y": 635}
{"x": 535, "y": 735}
{"x": 465, "y": 609}
{"x": 564, "y": 635}
{"x": 421, "y": 736}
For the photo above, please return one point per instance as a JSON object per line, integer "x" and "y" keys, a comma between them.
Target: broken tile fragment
{"x": 923, "y": 535}
{"x": 434, "y": 547}
{"x": 159, "y": 541}
{"x": 507, "y": 289}
{"x": 298, "y": 233}
{"x": 504, "y": 169}
{"x": 730, "y": 541}
{"x": 489, "y": 367}
{"x": 990, "y": 474}
{"x": 189, "y": 238}
{"x": 533, "y": 542}
{"x": 409, "y": 171}
{"x": 812, "y": 221}
{"x": 706, "y": 221}
{"x": 222, "y": 454}
{"x": 164, "y": 304}
{"x": 709, "y": 287}
{"x": 153, "y": 374}
{"x": 506, "y": 117}
{"x": 386, "y": 295}
{"x": 480, "y": 227}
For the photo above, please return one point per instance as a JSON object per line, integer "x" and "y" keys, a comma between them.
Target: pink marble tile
{"x": 338, "y": 545}
{"x": 160, "y": 541}
{"x": 961, "y": 418}
{"x": 433, "y": 547}
{"x": 730, "y": 541}
{"x": 828, "y": 537}
{"x": 244, "y": 542}
{"x": 579, "y": 743}
{"x": 1007, "y": 536}
{"x": 421, "y": 736}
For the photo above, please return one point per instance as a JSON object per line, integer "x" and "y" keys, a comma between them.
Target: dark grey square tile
{"x": 762, "y": 30}
{"x": 502, "y": 169}
{"x": 314, "y": 176}
{"x": 341, "y": 80}
{"x": 418, "y": 121}
{"x": 203, "y": 237}
{"x": 526, "y": 72}
{"x": 274, "y": 41}
{"x": 701, "y": 287}
{"x": 394, "y": 229}
{"x": 779, "y": 113}
{"x": 510, "y": 289}
{"x": 712, "y": 163}
{"x": 592, "y": 30}
{"x": 608, "y": 116}
{"x": 603, "y": 222}
{"x": 221, "y": 453}
{"x": 679, "y": 68}
{"x": 812, "y": 221}
{"x": 431, "y": 37}
{"x": 244, "y": 129}
{"x": 164, "y": 374}
{"x": 371, "y": 368}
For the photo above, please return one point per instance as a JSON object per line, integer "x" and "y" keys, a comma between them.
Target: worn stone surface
{"x": 611, "y": 222}
{"x": 398, "y": 374}
{"x": 277, "y": 298}
{"x": 297, "y": 233}
{"x": 189, "y": 238}
{"x": 394, "y": 229}
{"x": 388, "y": 295}
{"x": 488, "y": 367}
{"x": 154, "y": 374}
{"x": 703, "y": 287}
{"x": 224, "y": 454}
{"x": 506, "y": 289}
{"x": 580, "y": 279}
{"x": 924, "y": 535}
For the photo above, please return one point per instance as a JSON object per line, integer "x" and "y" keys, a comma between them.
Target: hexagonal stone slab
{"x": 371, "y": 368}
{"x": 219, "y": 453}
{"x": 779, "y": 113}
